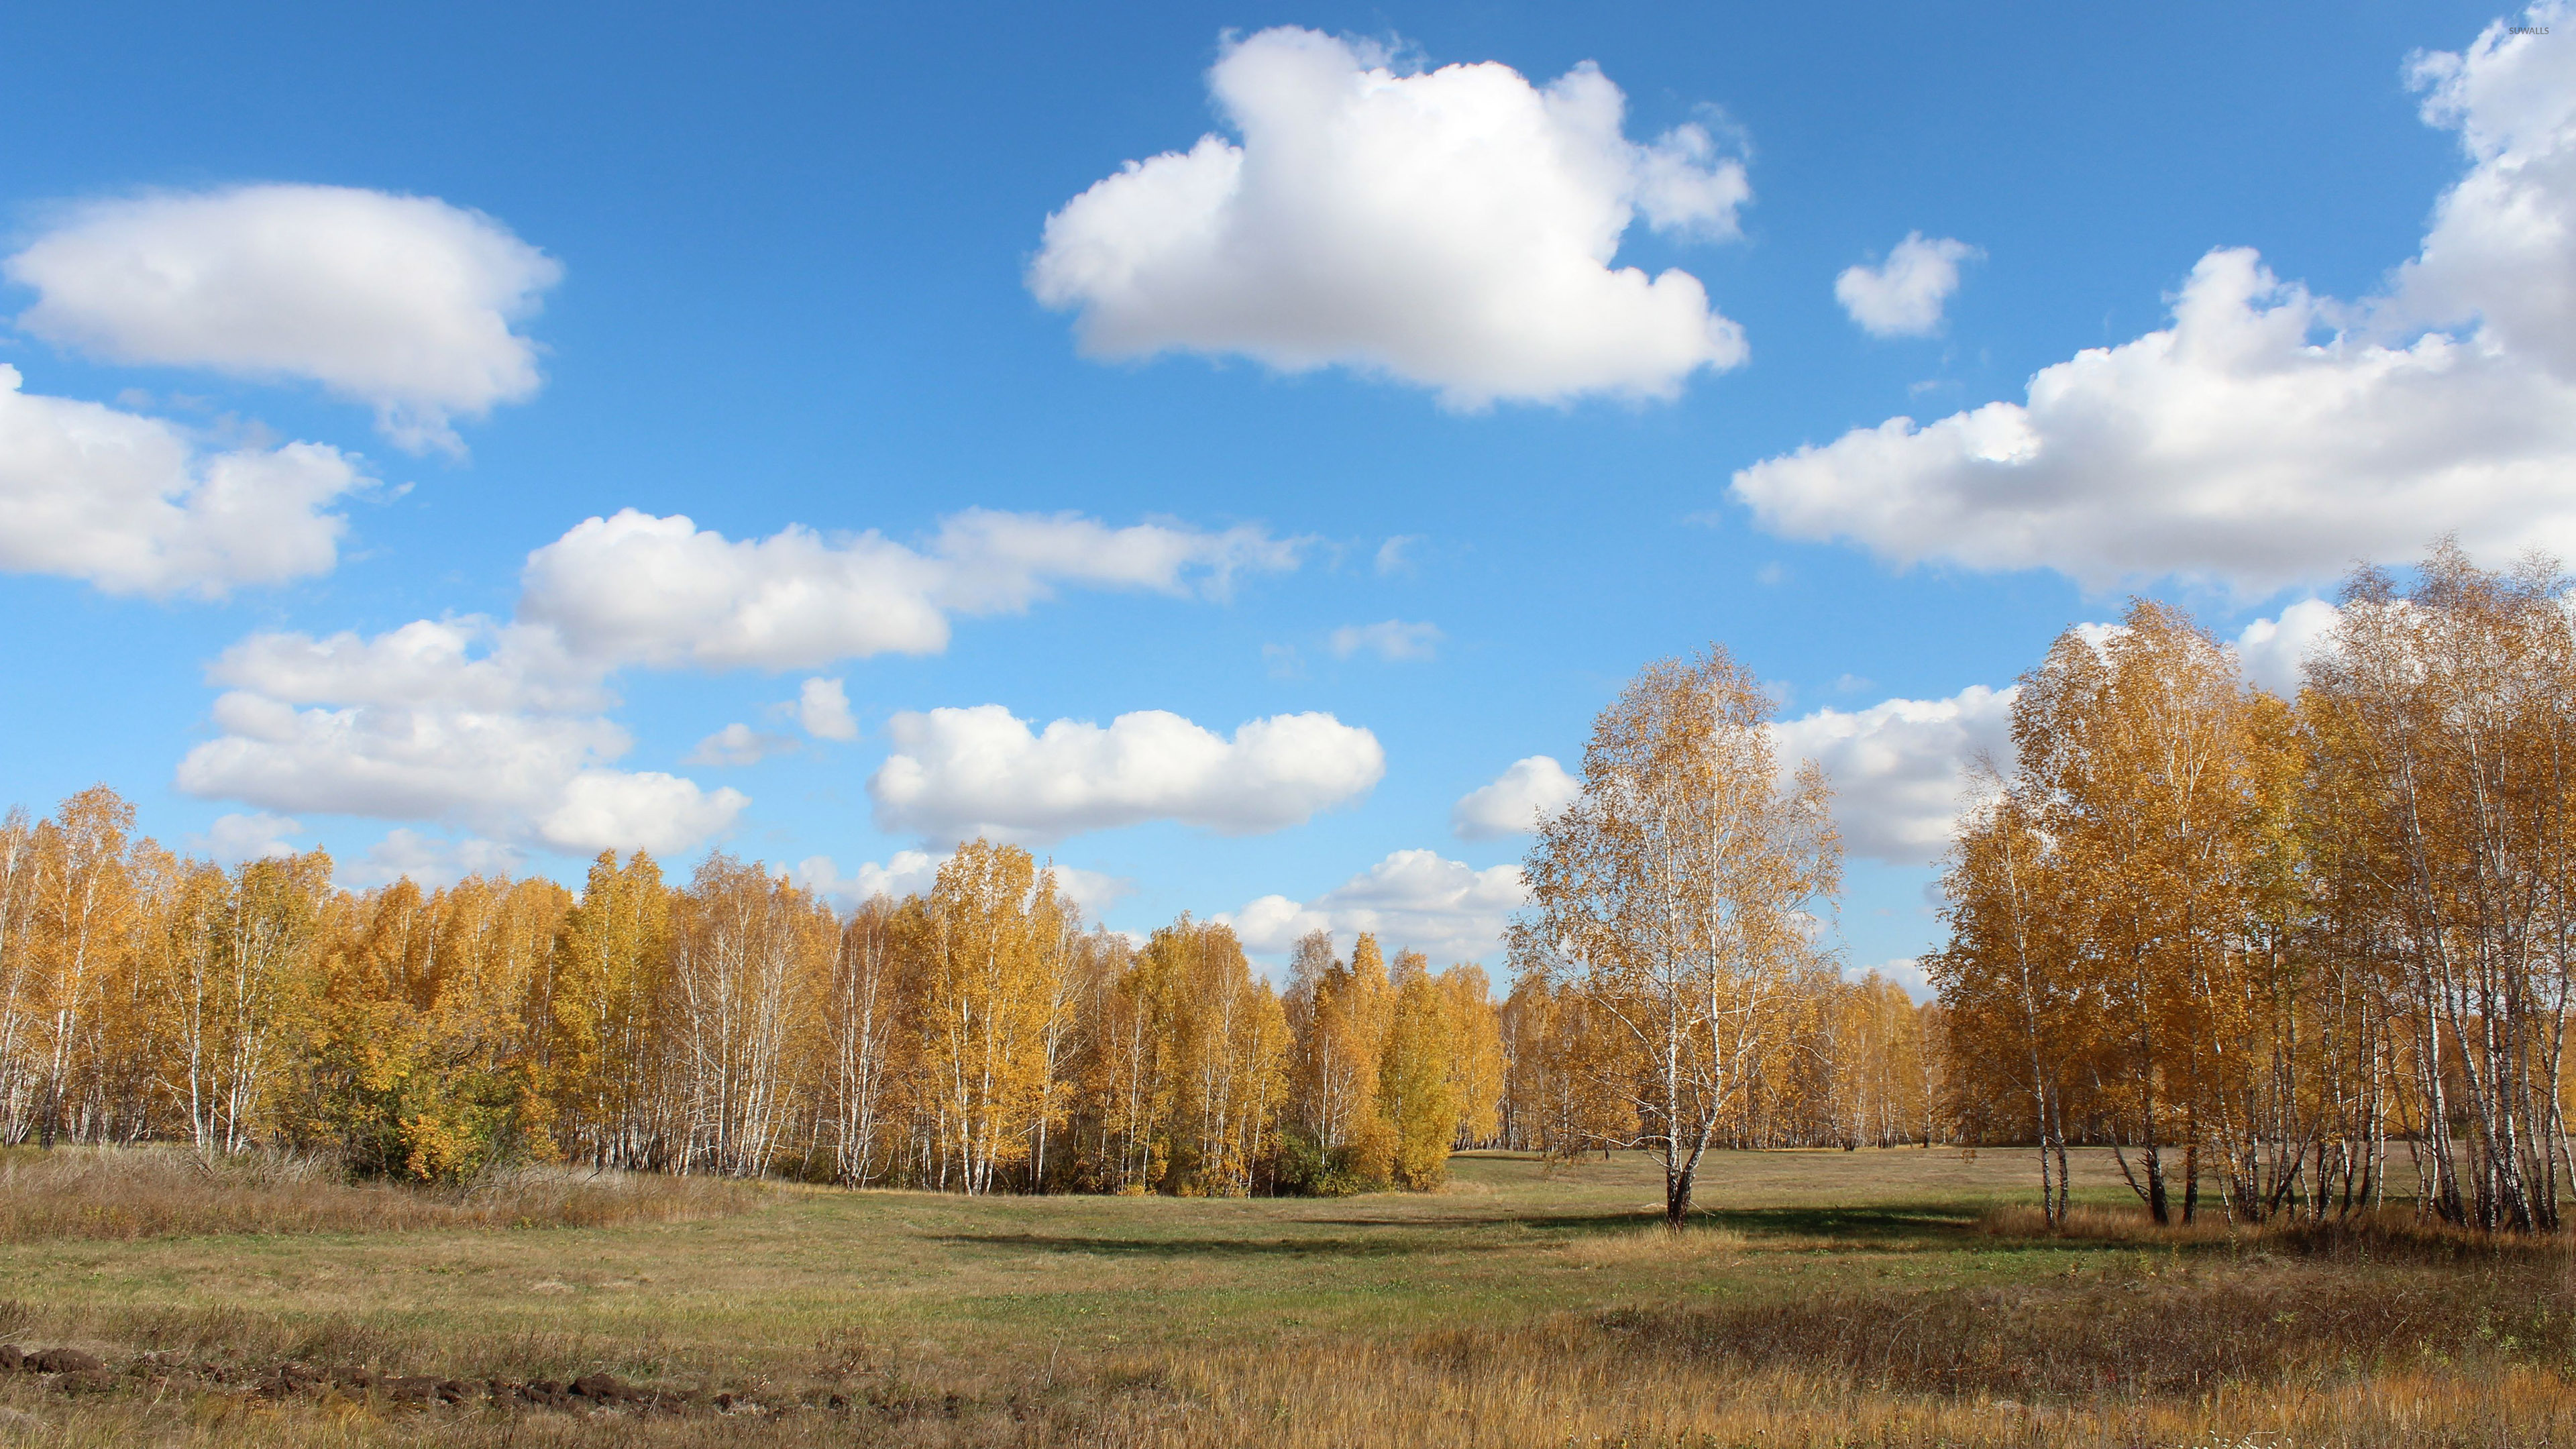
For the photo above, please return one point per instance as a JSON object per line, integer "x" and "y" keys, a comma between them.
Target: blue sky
{"x": 792, "y": 270}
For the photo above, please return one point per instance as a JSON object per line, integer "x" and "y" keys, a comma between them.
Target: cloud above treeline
{"x": 138, "y": 505}
{"x": 1517, "y": 800}
{"x": 1901, "y": 770}
{"x": 1413, "y": 899}
{"x": 499, "y": 729}
{"x": 403, "y": 303}
{"x": 959, "y": 773}
{"x": 2270, "y": 436}
{"x": 1455, "y": 229}
{"x": 634, "y": 588}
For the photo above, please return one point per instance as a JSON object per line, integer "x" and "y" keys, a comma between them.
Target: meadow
{"x": 1879, "y": 1297}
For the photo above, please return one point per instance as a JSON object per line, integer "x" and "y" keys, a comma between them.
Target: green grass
{"x": 1020, "y": 1277}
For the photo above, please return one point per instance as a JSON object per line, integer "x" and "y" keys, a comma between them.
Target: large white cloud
{"x": 1899, "y": 771}
{"x": 634, "y": 588}
{"x": 460, "y": 722}
{"x": 1453, "y": 229}
{"x": 1903, "y": 296}
{"x": 1899, "y": 768}
{"x": 2502, "y": 248}
{"x": 499, "y": 729}
{"x": 404, "y": 303}
{"x": 1520, "y": 797}
{"x": 1413, "y": 899}
{"x": 2269, "y": 436}
{"x": 130, "y": 504}
{"x": 957, "y": 773}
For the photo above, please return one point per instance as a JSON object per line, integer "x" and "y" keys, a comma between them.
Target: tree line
{"x": 2273, "y": 952}
{"x": 977, "y": 1037}
{"x": 2281, "y": 951}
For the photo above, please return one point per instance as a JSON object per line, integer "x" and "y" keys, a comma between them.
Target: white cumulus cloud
{"x": 1899, "y": 768}
{"x": 460, "y": 722}
{"x": 1413, "y": 899}
{"x": 914, "y": 872}
{"x": 2271, "y": 650}
{"x": 1392, "y": 640}
{"x": 428, "y": 861}
{"x": 1520, "y": 797}
{"x": 130, "y": 504}
{"x": 823, "y": 708}
{"x": 738, "y": 744}
{"x": 959, "y": 773}
{"x": 500, "y": 729}
{"x": 2270, "y": 436}
{"x": 404, "y": 303}
{"x": 905, "y": 873}
{"x": 235, "y": 838}
{"x": 466, "y": 661}
{"x": 1453, "y": 229}
{"x": 1903, "y": 296}
{"x": 2502, "y": 248}
{"x": 634, "y": 588}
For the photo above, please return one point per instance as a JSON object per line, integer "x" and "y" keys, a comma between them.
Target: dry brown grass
{"x": 1534, "y": 1313}
{"x": 1538, "y": 1390}
{"x": 130, "y": 1193}
{"x": 1654, "y": 1245}
{"x": 2148, "y": 1350}
{"x": 2139, "y": 1329}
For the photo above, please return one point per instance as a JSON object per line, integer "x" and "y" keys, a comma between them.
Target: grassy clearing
{"x": 1889, "y": 1298}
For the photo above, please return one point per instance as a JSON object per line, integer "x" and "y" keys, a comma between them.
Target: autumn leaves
{"x": 976, "y": 1037}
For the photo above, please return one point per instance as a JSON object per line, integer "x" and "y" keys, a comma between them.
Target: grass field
{"x": 1877, "y": 1297}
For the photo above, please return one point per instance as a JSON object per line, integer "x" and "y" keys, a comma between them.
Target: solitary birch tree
{"x": 1677, "y": 890}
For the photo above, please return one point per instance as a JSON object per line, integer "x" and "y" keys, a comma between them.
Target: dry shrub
{"x": 2384, "y": 1236}
{"x": 1570, "y": 1381}
{"x": 247, "y": 1343}
{"x": 1357, "y": 1395}
{"x": 126, "y": 1193}
{"x": 2138, "y": 1330}
{"x": 1340, "y": 1395}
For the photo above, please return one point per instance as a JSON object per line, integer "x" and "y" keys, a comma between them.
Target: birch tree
{"x": 1677, "y": 891}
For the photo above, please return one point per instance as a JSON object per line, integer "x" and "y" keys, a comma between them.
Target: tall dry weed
{"x": 127, "y": 1193}
{"x": 2385, "y": 1236}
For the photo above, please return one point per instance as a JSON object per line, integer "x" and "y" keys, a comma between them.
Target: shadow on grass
{"x": 1874, "y": 1224}
{"x": 1396, "y": 1236}
{"x": 1195, "y": 1247}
